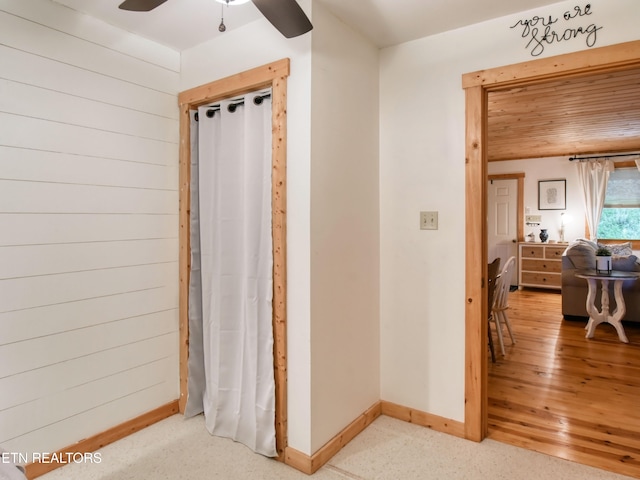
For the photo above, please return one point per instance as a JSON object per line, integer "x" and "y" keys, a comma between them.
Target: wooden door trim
{"x": 273, "y": 75}
{"x": 622, "y": 56}
{"x": 477, "y": 85}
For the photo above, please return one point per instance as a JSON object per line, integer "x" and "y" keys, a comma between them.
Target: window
{"x": 621, "y": 213}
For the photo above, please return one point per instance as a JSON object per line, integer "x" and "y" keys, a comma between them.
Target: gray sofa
{"x": 581, "y": 255}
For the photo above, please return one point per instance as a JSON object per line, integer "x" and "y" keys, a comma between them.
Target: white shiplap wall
{"x": 88, "y": 226}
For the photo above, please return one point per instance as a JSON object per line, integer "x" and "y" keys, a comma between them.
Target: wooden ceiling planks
{"x": 599, "y": 113}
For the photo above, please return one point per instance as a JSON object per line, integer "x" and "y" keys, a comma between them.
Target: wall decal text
{"x": 543, "y": 31}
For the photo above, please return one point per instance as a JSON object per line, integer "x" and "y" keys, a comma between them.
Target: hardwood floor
{"x": 558, "y": 393}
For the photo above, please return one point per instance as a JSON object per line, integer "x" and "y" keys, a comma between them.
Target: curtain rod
{"x": 258, "y": 99}
{"x": 571, "y": 159}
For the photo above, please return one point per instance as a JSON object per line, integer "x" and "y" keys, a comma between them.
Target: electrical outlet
{"x": 428, "y": 220}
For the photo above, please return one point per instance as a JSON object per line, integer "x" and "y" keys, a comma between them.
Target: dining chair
{"x": 501, "y": 302}
{"x": 492, "y": 275}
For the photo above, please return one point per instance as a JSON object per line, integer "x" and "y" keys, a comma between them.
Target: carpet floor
{"x": 389, "y": 449}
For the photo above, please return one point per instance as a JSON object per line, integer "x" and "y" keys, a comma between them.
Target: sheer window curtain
{"x": 593, "y": 176}
{"x": 231, "y": 376}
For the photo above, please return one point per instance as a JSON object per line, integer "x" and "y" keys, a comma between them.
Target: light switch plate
{"x": 428, "y": 220}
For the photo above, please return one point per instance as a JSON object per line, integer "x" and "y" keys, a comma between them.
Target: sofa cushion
{"x": 625, "y": 263}
{"x": 623, "y": 249}
{"x": 582, "y": 255}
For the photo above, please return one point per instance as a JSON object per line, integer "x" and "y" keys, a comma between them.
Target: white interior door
{"x": 502, "y": 208}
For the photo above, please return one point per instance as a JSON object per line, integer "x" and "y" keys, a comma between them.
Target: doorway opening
{"x": 477, "y": 85}
{"x": 274, "y": 76}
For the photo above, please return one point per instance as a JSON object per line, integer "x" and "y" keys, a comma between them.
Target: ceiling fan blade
{"x": 285, "y": 15}
{"x": 140, "y": 5}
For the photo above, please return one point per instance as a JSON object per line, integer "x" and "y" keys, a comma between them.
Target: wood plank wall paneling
{"x": 598, "y": 113}
{"x": 65, "y": 46}
{"x": 88, "y": 226}
{"x": 97, "y": 31}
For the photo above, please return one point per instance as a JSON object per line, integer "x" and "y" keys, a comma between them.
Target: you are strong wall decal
{"x": 547, "y": 30}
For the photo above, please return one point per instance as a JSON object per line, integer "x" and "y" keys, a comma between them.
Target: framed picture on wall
{"x": 552, "y": 195}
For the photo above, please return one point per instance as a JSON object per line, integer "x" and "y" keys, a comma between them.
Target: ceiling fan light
{"x": 232, "y": 2}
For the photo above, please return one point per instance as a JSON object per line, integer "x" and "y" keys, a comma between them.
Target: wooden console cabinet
{"x": 540, "y": 265}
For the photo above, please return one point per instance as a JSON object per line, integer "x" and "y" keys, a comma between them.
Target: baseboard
{"x": 310, "y": 464}
{"x": 292, "y": 457}
{"x": 424, "y": 419}
{"x": 98, "y": 441}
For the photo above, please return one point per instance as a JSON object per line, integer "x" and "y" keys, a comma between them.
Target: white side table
{"x": 604, "y": 316}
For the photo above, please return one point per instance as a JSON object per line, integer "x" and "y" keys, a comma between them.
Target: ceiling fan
{"x": 285, "y": 15}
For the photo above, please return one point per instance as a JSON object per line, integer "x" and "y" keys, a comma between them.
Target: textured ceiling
{"x": 181, "y": 24}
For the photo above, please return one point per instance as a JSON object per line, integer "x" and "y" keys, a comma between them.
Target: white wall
{"x": 422, "y": 168}
{"x": 553, "y": 168}
{"x": 345, "y": 344}
{"x": 88, "y": 226}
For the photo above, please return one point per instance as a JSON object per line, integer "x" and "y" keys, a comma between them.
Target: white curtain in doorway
{"x": 593, "y": 176}
{"x": 231, "y": 374}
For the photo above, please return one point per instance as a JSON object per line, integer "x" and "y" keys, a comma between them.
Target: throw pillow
{"x": 582, "y": 255}
{"x": 624, "y": 263}
{"x": 622, "y": 249}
